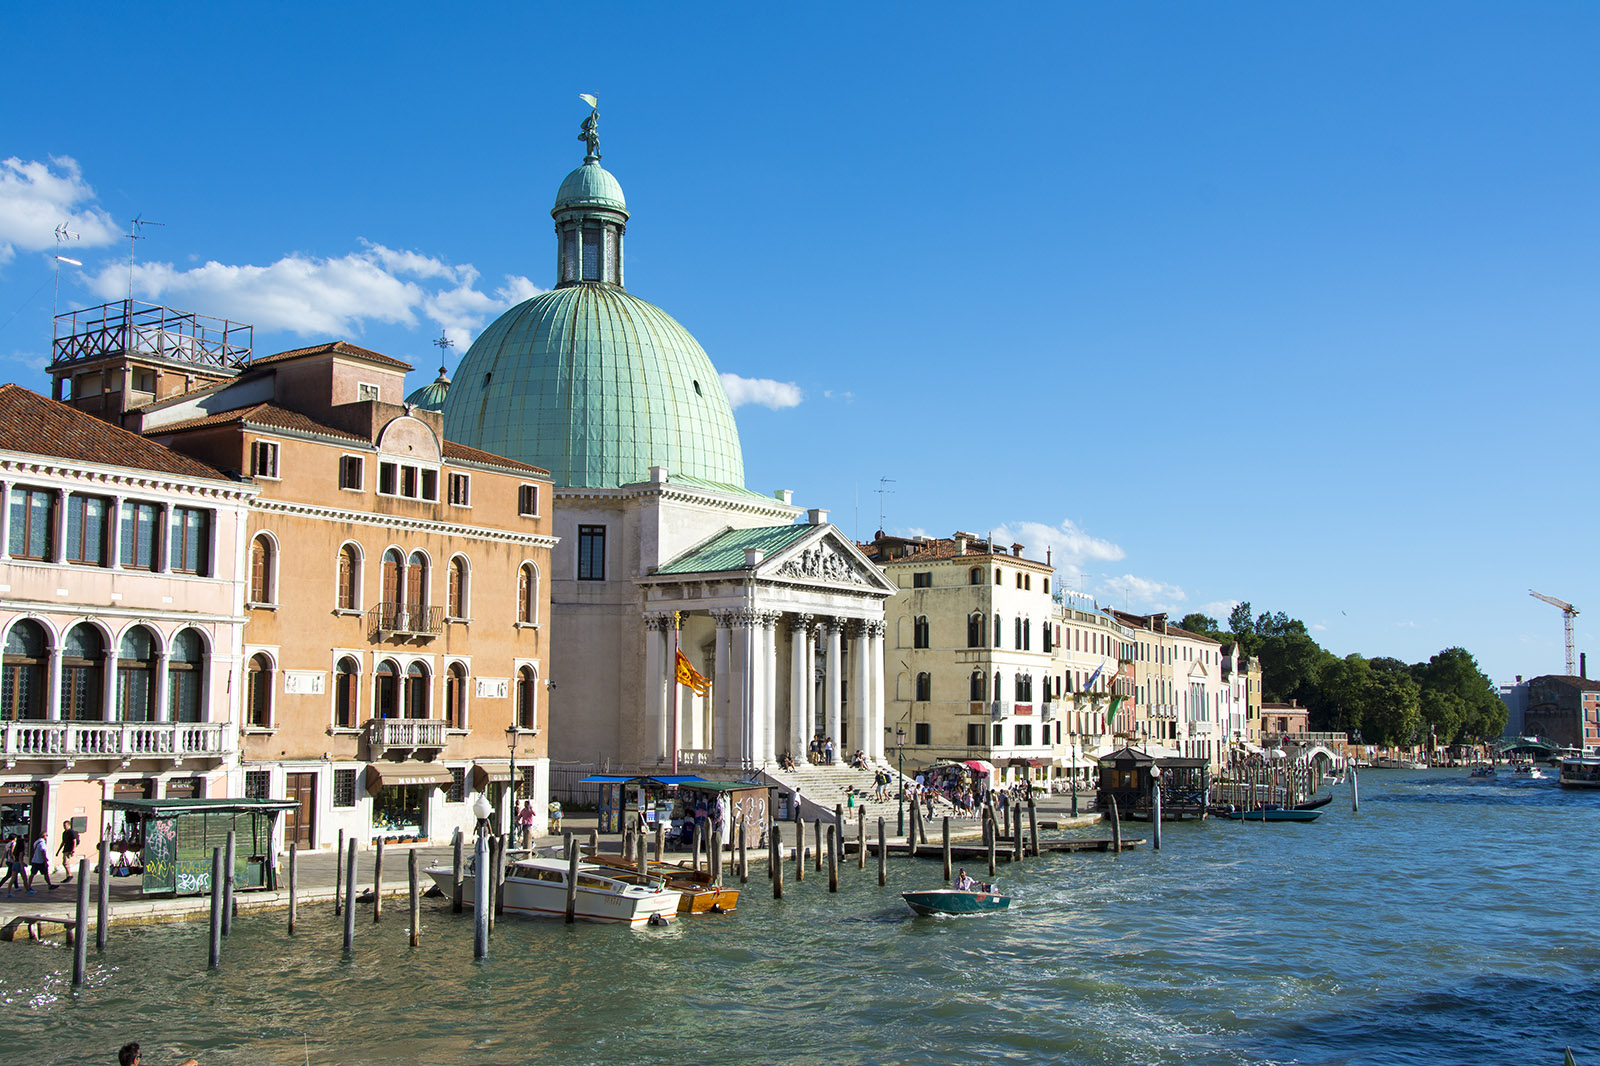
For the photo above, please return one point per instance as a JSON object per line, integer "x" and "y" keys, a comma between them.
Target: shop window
{"x": 139, "y": 524}
{"x": 83, "y": 655}
{"x": 922, "y": 733}
{"x": 400, "y": 811}
{"x": 87, "y": 525}
{"x": 191, "y": 541}
{"x": 31, "y": 513}
{"x": 185, "y": 788}
{"x": 591, "y": 553}
{"x": 258, "y": 691}
{"x": 22, "y": 683}
{"x": 349, "y": 578}
{"x": 346, "y": 689}
{"x": 344, "y": 788}
{"x": 455, "y": 697}
{"x": 185, "y": 677}
{"x": 386, "y": 690}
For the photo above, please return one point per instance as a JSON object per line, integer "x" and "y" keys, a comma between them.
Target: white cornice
{"x": 685, "y": 494}
{"x": 138, "y": 479}
{"x": 419, "y": 525}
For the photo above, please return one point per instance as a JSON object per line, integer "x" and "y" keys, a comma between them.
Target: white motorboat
{"x": 538, "y": 887}
{"x": 1527, "y": 772}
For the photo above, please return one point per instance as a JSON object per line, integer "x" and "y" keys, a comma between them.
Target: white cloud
{"x": 1069, "y": 545}
{"x": 763, "y": 391}
{"x": 312, "y": 295}
{"x": 1220, "y": 609}
{"x": 37, "y": 197}
{"x": 1132, "y": 592}
{"x": 1319, "y": 627}
{"x": 830, "y": 394}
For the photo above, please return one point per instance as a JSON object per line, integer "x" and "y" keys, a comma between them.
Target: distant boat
{"x": 1580, "y": 773}
{"x": 1526, "y": 772}
{"x": 537, "y": 887}
{"x": 955, "y": 901}
{"x": 1483, "y": 772}
{"x": 1276, "y": 814}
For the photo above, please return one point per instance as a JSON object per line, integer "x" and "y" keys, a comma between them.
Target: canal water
{"x": 1447, "y": 922}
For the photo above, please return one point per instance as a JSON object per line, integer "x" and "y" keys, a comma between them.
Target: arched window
{"x": 22, "y": 685}
{"x": 1027, "y": 634}
{"x": 1044, "y": 634}
{"x": 975, "y": 576}
{"x": 417, "y": 691}
{"x": 527, "y": 698}
{"x": 263, "y": 567}
{"x": 83, "y": 656}
{"x": 386, "y": 690}
{"x": 136, "y": 676}
{"x": 417, "y": 583}
{"x": 996, "y": 689}
{"x": 185, "y": 677}
{"x": 902, "y": 687}
{"x": 456, "y": 605}
{"x": 977, "y": 694}
{"x": 999, "y": 631}
{"x": 455, "y": 697}
{"x": 1019, "y": 627}
{"x": 997, "y": 580}
{"x": 346, "y": 689}
{"x": 393, "y": 591}
{"x": 919, "y": 632}
{"x": 258, "y": 691}
{"x": 349, "y": 578}
{"x": 528, "y": 594}
{"x": 924, "y": 686}
{"x": 975, "y": 630}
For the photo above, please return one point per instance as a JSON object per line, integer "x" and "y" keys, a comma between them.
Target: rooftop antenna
{"x": 134, "y": 234}
{"x": 62, "y": 234}
{"x": 882, "y": 492}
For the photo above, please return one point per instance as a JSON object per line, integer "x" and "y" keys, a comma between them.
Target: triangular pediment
{"x": 826, "y": 558}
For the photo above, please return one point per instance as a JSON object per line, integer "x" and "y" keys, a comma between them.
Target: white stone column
{"x": 876, "y": 632}
{"x": 750, "y": 688}
{"x": 768, "y": 755}
{"x": 108, "y": 690}
{"x": 718, "y": 711}
{"x": 860, "y": 720}
{"x": 52, "y": 692}
{"x": 830, "y": 682}
{"x": 659, "y": 675}
{"x": 163, "y": 679}
{"x": 799, "y": 686}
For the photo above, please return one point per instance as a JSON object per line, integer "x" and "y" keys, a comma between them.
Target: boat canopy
{"x": 215, "y": 805}
{"x": 636, "y": 779}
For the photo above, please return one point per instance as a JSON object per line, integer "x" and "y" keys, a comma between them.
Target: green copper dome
{"x": 591, "y": 383}
{"x": 591, "y": 185}
{"x": 596, "y": 386}
{"x": 431, "y": 396}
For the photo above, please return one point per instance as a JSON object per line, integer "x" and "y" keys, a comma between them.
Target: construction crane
{"x": 1568, "y": 613}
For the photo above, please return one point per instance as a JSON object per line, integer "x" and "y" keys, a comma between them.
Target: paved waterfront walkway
{"x": 317, "y": 871}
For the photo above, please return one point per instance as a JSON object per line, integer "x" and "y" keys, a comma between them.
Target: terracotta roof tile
{"x": 452, "y": 450}
{"x": 333, "y": 347}
{"x": 35, "y": 424}
{"x": 938, "y": 549}
{"x": 266, "y": 415}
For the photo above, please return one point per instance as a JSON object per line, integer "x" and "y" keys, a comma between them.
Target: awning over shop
{"x": 982, "y": 766}
{"x": 1019, "y": 761}
{"x": 216, "y": 805}
{"x": 625, "y": 779}
{"x": 485, "y": 771}
{"x": 380, "y": 774}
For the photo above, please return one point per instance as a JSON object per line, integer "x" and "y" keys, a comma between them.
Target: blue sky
{"x": 1288, "y": 303}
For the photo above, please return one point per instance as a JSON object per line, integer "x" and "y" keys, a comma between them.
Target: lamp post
{"x": 511, "y": 817}
{"x": 900, "y": 744}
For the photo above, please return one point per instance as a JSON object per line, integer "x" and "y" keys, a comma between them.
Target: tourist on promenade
{"x": 15, "y": 854}
{"x": 128, "y": 1055}
{"x": 555, "y": 816}
{"x": 41, "y": 861}
{"x": 525, "y": 822}
{"x": 69, "y": 847}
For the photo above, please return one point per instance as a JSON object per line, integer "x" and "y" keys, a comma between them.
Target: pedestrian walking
{"x": 41, "y": 862}
{"x": 68, "y": 848}
{"x": 14, "y": 855}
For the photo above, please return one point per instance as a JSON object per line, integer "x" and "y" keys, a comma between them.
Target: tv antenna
{"x": 135, "y": 234}
{"x": 882, "y": 492}
{"x": 62, "y": 234}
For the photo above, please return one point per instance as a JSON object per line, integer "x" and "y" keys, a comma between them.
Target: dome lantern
{"x": 591, "y": 217}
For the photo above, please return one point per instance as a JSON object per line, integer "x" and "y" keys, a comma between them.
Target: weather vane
{"x": 591, "y": 128}
{"x": 444, "y": 344}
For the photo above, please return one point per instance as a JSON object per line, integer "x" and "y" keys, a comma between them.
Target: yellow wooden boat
{"x": 701, "y": 893}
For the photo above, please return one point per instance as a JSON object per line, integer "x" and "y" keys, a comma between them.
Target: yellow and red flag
{"x": 688, "y": 675}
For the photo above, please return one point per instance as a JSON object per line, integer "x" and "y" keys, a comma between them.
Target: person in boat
{"x": 965, "y": 882}
{"x": 128, "y": 1055}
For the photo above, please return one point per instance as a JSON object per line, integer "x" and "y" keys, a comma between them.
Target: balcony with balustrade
{"x": 411, "y": 736}
{"x": 394, "y": 620}
{"x": 68, "y": 742}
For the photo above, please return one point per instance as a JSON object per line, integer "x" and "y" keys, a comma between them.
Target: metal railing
{"x": 408, "y": 733}
{"x": 134, "y": 327}
{"x": 405, "y": 619}
{"x": 111, "y": 740}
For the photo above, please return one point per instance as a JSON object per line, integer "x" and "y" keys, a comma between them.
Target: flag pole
{"x": 676, "y": 684}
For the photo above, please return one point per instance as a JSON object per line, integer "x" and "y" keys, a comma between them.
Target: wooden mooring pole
{"x": 1116, "y": 828}
{"x": 744, "y": 853}
{"x": 227, "y": 888}
{"x": 1016, "y": 832}
{"x": 833, "y": 858}
{"x": 861, "y": 837}
{"x": 991, "y": 832}
{"x": 1033, "y": 827}
{"x": 415, "y": 899}
{"x": 818, "y": 825}
{"x": 1355, "y": 790}
{"x": 716, "y": 854}
{"x": 338, "y": 881}
{"x": 350, "y": 897}
{"x": 377, "y": 881}
{"x": 455, "y": 877}
{"x": 482, "y": 875}
{"x": 294, "y": 885}
{"x": 883, "y": 855}
{"x": 572, "y": 881}
{"x": 945, "y": 847}
{"x": 102, "y": 897}
{"x": 661, "y": 842}
{"x": 214, "y": 957}
{"x": 1155, "y": 815}
{"x": 775, "y": 859}
{"x": 80, "y": 926}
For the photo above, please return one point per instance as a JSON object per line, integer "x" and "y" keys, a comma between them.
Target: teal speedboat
{"x": 1275, "y": 814}
{"x": 955, "y": 901}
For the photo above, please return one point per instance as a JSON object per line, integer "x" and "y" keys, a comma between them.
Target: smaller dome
{"x": 591, "y": 185}
{"x": 431, "y": 396}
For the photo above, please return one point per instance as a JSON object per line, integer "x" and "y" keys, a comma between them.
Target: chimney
{"x": 753, "y": 557}
{"x": 658, "y": 475}
{"x": 1047, "y": 554}
{"x": 818, "y": 516}
{"x": 785, "y": 497}
{"x": 1016, "y": 550}
{"x": 1583, "y": 665}
{"x": 961, "y": 545}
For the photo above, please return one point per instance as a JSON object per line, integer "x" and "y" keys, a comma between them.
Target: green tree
{"x": 1459, "y": 701}
{"x": 1392, "y": 714}
{"x": 1195, "y": 622}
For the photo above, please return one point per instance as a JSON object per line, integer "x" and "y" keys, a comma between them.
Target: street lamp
{"x": 511, "y": 742}
{"x": 900, "y": 743}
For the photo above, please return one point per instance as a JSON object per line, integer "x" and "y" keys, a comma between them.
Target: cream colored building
{"x": 1092, "y": 660}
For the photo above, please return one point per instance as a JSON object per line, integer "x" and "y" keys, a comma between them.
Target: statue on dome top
{"x": 591, "y": 127}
